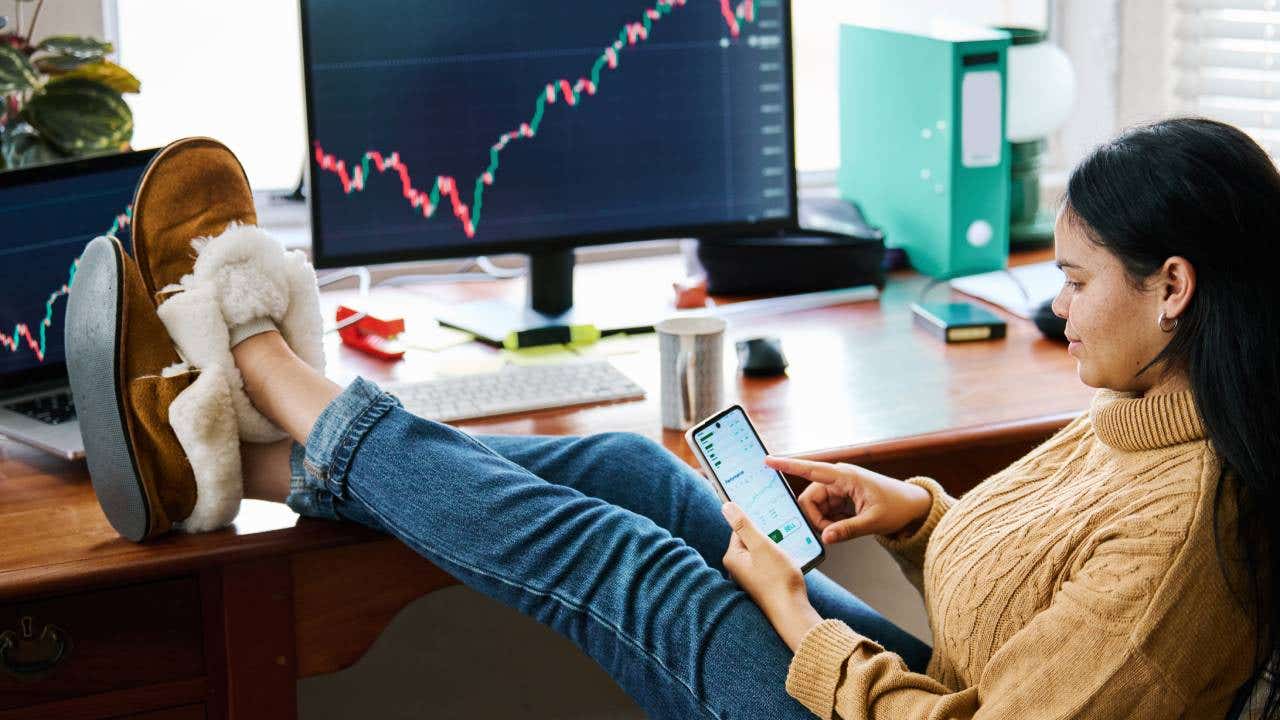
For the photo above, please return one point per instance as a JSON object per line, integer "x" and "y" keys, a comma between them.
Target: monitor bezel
{"x": 324, "y": 260}
{"x": 53, "y": 374}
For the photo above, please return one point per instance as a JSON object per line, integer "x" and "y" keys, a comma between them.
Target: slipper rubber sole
{"x": 94, "y": 332}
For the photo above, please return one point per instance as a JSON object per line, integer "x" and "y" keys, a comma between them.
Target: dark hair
{"x": 1205, "y": 191}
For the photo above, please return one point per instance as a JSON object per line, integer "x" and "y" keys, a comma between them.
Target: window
{"x": 1227, "y": 65}
{"x": 230, "y": 69}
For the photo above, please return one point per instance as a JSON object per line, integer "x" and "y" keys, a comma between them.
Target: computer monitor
{"x": 47, "y": 215}
{"x": 466, "y": 127}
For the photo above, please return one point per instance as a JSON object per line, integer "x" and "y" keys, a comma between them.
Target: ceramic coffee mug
{"x": 691, "y": 352}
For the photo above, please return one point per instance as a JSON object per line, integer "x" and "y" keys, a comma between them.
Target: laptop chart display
{"x": 46, "y": 219}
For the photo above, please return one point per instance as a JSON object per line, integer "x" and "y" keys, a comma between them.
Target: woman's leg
{"x": 633, "y": 472}
{"x": 629, "y": 471}
{"x": 672, "y": 631}
{"x": 265, "y": 469}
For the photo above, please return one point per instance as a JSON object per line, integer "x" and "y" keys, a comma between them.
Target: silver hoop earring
{"x": 1162, "y": 320}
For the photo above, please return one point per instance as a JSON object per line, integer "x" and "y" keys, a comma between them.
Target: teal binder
{"x": 922, "y": 142}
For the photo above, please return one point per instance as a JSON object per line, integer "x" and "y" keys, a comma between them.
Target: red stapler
{"x": 370, "y": 335}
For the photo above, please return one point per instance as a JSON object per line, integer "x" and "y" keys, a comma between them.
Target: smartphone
{"x": 729, "y": 448}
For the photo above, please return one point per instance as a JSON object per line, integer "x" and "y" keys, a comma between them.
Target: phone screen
{"x": 734, "y": 453}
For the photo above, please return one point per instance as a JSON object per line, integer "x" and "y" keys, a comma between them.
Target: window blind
{"x": 1227, "y": 64}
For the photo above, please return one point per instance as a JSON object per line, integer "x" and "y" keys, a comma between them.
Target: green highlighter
{"x": 552, "y": 335}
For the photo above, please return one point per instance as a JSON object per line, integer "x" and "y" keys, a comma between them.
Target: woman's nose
{"x": 1060, "y": 304}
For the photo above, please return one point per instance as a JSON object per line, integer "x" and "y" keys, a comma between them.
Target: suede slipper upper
{"x": 192, "y": 188}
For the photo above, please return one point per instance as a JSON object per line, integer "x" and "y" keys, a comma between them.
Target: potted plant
{"x": 61, "y": 97}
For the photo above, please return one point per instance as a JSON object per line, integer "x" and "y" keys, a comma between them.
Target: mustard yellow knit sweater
{"x": 1079, "y": 582}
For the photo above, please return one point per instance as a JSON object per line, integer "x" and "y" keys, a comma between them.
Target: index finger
{"x": 822, "y": 472}
{"x": 808, "y": 501}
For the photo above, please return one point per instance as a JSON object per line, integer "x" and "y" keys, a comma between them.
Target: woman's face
{"x": 1111, "y": 324}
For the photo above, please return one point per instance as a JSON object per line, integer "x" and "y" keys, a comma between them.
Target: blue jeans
{"x": 610, "y": 540}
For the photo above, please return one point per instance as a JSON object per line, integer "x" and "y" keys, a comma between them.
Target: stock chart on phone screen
{"x": 735, "y": 455}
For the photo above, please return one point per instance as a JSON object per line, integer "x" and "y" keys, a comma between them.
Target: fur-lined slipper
{"x": 129, "y": 385}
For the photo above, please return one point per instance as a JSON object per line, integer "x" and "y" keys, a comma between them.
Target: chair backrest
{"x": 1253, "y": 695}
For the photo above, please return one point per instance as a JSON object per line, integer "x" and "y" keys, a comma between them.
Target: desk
{"x": 222, "y": 624}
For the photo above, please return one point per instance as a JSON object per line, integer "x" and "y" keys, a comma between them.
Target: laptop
{"x": 47, "y": 215}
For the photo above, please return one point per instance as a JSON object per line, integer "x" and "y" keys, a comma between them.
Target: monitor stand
{"x": 549, "y": 303}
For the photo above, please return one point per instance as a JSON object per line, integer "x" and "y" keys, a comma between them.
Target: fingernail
{"x": 729, "y": 511}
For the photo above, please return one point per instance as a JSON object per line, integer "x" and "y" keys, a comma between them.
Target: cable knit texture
{"x": 1080, "y": 582}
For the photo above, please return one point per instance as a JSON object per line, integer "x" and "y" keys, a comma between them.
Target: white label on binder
{"x": 980, "y": 133}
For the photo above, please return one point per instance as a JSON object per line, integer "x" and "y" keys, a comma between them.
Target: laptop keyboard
{"x": 51, "y": 409}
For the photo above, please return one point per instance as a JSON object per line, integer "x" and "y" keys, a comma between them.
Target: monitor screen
{"x": 47, "y": 215}
{"x": 463, "y": 127}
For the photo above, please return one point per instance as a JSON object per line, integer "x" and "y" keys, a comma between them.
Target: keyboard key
{"x": 49, "y": 409}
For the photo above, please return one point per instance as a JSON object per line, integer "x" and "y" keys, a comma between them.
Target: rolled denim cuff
{"x": 307, "y": 497}
{"x": 338, "y": 432}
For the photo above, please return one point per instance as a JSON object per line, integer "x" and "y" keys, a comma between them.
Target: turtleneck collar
{"x": 1127, "y": 422}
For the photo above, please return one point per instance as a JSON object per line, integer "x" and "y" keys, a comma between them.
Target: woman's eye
{"x": 1071, "y": 284}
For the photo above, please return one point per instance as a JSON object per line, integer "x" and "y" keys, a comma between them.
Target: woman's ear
{"x": 1177, "y": 284}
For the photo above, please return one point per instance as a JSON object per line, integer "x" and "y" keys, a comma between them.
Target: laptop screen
{"x": 47, "y": 215}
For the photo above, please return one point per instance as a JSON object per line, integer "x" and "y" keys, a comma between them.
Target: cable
{"x": 430, "y": 278}
{"x": 347, "y": 322}
{"x": 487, "y": 271}
{"x": 928, "y": 288}
{"x": 1022, "y": 289}
{"x": 360, "y": 272}
{"x": 484, "y": 263}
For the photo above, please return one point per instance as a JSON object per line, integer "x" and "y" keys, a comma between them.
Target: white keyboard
{"x": 515, "y": 389}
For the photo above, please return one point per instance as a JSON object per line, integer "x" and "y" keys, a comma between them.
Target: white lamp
{"x": 1041, "y": 91}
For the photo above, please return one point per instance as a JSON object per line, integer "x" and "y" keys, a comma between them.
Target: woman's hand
{"x": 769, "y": 576}
{"x": 846, "y": 501}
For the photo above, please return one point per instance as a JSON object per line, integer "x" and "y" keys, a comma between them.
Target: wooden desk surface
{"x": 863, "y": 380}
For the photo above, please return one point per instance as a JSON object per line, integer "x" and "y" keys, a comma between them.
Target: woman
{"x": 1121, "y": 569}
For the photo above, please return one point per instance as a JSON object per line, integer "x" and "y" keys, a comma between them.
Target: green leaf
{"x": 75, "y": 46}
{"x": 16, "y": 73}
{"x": 107, "y": 73}
{"x": 21, "y": 146}
{"x": 58, "y": 64}
{"x": 80, "y": 116}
